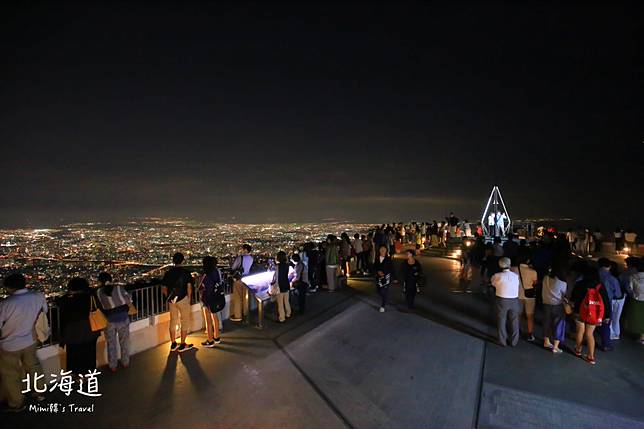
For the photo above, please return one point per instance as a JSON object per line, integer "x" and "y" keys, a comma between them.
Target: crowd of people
{"x": 543, "y": 275}
{"x": 546, "y": 275}
{"x": 585, "y": 241}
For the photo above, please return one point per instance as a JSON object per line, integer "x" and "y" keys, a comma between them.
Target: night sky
{"x": 290, "y": 112}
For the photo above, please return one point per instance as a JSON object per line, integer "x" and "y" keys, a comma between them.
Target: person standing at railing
{"x": 115, "y": 303}
{"x": 77, "y": 336}
{"x": 332, "y": 259}
{"x": 177, "y": 286}
{"x": 213, "y": 299}
{"x": 18, "y": 315}
{"x": 240, "y": 268}
{"x": 281, "y": 278}
{"x": 299, "y": 282}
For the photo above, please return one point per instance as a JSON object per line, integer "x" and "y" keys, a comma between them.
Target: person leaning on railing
{"x": 115, "y": 302}
{"x": 241, "y": 267}
{"x": 212, "y": 298}
{"x": 282, "y": 279}
{"x": 178, "y": 286}
{"x": 77, "y": 336}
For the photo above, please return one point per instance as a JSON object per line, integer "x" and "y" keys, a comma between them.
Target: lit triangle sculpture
{"x": 496, "y": 220}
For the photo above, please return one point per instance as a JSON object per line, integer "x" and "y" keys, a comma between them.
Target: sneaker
{"x": 217, "y": 340}
{"x": 531, "y": 338}
{"x": 549, "y": 346}
{"x": 174, "y": 346}
{"x": 184, "y": 347}
{"x": 382, "y": 309}
{"x": 208, "y": 344}
{"x": 556, "y": 351}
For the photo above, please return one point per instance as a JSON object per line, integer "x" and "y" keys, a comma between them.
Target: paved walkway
{"x": 345, "y": 365}
{"x": 528, "y": 386}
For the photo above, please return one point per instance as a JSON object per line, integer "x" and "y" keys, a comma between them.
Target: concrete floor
{"x": 343, "y": 364}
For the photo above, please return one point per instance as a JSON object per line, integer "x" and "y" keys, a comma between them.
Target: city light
{"x": 140, "y": 250}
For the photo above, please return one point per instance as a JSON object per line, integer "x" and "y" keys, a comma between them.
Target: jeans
{"x": 384, "y": 295}
{"x": 604, "y": 332}
{"x": 410, "y": 294}
{"x": 122, "y": 329}
{"x": 616, "y": 309}
{"x": 553, "y": 315}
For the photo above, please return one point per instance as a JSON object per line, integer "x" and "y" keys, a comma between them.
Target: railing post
{"x": 260, "y": 312}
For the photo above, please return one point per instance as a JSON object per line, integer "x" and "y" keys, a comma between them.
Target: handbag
{"x": 568, "y": 309}
{"x": 274, "y": 289}
{"x": 131, "y": 309}
{"x": 219, "y": 300}
{"x": 42, "y": 327}
{"x": 97, "y": 319}
{"x": 529, "y": 293}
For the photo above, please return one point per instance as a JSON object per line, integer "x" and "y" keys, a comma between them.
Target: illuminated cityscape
{"x": 136, "y": 249}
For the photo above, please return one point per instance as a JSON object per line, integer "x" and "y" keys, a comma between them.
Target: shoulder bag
{"x": 97, "y": 319}
{"x": 529, "y": 293}
{"x": 42, "y": 327}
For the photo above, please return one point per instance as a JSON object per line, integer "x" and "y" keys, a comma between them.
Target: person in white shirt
{"x": 527, "y": 299}
{"x": 18, "y": 344}
{"x": 506, "y": 284}
{"x": 554, "y": 319}
{"x": 491, "y": 221}
{"x": 502, "y": 218}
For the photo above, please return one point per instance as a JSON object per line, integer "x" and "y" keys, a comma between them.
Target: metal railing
{"x": 149, "y": 302}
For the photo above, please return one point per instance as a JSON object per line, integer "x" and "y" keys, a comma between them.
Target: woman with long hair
{"x": 585, "y": 330}
{"x": 347, "y": 253}
{"x": 212, "y": 298}
{"x": 554, "y": 320}
{"x": 411, "y": 273}
{"x": 77, "y": 336}
{"x": 281, "y": 278}
{"x": 384, "y": 271}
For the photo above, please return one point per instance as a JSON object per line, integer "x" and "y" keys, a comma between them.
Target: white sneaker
{"x": 382, "y": 309}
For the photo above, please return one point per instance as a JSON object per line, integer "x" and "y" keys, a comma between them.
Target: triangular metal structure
{"x": 496, "y": 219}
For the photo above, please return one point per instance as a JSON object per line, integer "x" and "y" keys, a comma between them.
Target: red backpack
{"x": 592, "y": 307}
